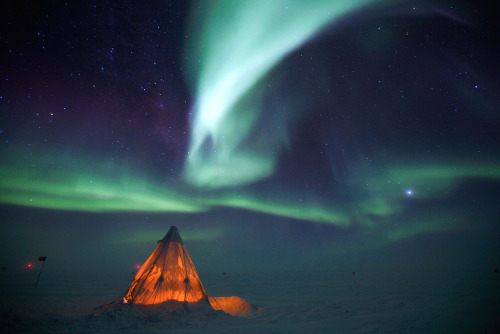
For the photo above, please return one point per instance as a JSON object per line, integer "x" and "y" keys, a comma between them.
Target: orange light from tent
{"x": 234, "y": 306}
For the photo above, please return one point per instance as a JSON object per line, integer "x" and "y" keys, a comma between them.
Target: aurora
{"x": 235, "y": 137}
{"x": 98, "y": 190}
{"x": 233, "y": 49}
{"x": 333, "y": 162}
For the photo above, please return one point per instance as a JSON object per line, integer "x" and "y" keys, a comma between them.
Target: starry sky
{"x": 351, "y": 132}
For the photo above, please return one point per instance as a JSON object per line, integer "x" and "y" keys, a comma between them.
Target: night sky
{"x": 273, "y": 135}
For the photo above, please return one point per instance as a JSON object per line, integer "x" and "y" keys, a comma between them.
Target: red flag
{"x": 42, "y": 258}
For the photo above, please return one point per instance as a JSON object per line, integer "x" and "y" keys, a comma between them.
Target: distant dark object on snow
{"x": 223, "y": 273}
{"x": 496, "y": 270}
{"x": 354, "y": 273}
{"x": 3, "y": 268}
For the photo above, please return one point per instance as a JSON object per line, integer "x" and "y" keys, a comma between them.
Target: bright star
{"x": 409, "y": 192}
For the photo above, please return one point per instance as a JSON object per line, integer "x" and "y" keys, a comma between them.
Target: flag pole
{"x": 40, "y": 272}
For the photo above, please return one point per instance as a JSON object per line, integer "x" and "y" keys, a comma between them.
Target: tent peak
{"x": 172, "y": 236}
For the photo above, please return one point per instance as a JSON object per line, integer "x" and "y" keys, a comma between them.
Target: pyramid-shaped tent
{"x": 168, "y": 274}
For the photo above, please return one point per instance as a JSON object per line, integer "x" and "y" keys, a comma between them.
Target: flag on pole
{"x": 41, "y": 258}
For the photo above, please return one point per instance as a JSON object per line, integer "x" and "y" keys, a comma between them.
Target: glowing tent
{"x": 168, "y": 277}
{"x": 168, "y": 274}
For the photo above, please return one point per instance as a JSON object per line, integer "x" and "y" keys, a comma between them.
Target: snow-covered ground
{"x": 290, "y": 302}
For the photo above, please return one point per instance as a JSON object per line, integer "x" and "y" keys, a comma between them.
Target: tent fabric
{"x": 168, "y": 274}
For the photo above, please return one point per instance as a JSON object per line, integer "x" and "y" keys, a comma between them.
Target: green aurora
{"x": 233, "y": 48}
{"x": 84, "y": 185}
{"x": 231, "y": 53}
